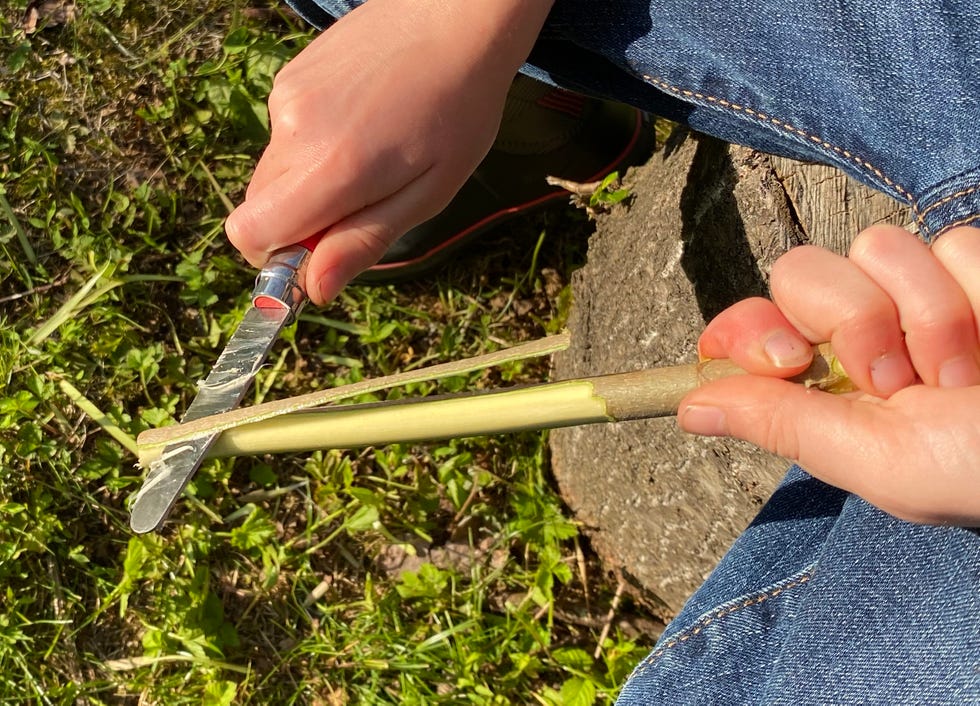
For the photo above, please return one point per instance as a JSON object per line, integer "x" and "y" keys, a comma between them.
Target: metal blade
{"x": 222, "y": 391}
{"x": 277, "y": 299}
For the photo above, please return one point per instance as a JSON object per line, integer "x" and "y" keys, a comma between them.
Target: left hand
{"x": 903, "y": 319}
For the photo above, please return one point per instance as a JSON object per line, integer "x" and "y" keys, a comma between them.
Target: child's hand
{"x": 376, "y": 125}
{"x": 903, "y": 320}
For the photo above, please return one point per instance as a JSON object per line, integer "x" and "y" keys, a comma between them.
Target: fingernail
{"x": 326, "y": 289}
{"x": 890, "y": 373}
{"x": 704, "y": 420}
{"x": 785, "y": 350}
{"x": 701, "y": 356}
{"x": 959, "y": 372}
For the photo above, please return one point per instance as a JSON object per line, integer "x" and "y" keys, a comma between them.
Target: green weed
{"x": 406, "y": 574}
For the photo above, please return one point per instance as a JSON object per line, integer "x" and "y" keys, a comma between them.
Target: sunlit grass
{"x": 405, "y": 574}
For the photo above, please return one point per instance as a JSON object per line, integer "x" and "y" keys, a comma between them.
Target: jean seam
{"x": 951, "y": 197}
{"x": 792, "y": 129}
{"x": 961, "y": 222}
{"x": 800, "y": 580}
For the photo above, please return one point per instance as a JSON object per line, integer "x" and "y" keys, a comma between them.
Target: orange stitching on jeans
{"x": 787, "y": 127}
{"x": 975, "y": 218}
{"x": 723, "y": 613}
{"x": 951, "y": 197}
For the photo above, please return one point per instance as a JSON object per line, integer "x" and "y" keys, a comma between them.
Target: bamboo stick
{"x": 350, "y": 426}
{"x": 244, "y": 415}
{"x": 655, "y": 392}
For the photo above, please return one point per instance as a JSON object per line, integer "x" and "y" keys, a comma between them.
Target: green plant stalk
{"x": 100, "y": 418}
{"x": 22, "y": 238}
{"x": 143, "y": 661}
{"x": 85, "y": 297}
{"x": 70, "y": 308}
{"x": 655, "y": 392}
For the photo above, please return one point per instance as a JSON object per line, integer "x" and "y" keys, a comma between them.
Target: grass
{"x": 407, "y": 574}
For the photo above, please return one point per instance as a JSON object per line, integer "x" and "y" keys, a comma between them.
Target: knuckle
{"x": 283, "y": 84}
{"x": 240, "y": 227}
{"x": 281, "y": 78}
{"x": 285, "y": 115}
{"x": 877, "y": 240}
{"x": 234, "y": 227}
{"x": 291, "y": 112}
{"x": 938, "y": 327}
{"x": 786, "y": 266}
{"x": 782, "y": 436}
{"x": 875, "y": 318}
{"x": 374, "y": 241}
{"x": 956, "y": 243}
{"x": 279, "y": 95}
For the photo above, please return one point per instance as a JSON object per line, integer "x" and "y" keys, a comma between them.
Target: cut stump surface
{"x": 705, "y": 225}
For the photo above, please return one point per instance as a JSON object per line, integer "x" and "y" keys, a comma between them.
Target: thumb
{"x": 839, "y": 439}
{"x": 911, "y": 455}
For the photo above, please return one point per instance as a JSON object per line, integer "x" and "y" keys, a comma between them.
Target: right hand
{"x": 904, "y": 320}
{"x": 376, "y": 125}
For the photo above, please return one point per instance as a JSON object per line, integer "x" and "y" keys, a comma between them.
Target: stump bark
{"x": 706, "y": 223}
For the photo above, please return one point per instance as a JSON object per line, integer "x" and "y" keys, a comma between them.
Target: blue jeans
{"x": 824, "y": 599}
{"x": 887, "y": 90}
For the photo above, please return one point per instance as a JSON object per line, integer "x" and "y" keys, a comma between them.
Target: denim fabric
{"x": 824, "y": 599}
{"x": 888, "y": 91}
{"x": 320, "y": 13}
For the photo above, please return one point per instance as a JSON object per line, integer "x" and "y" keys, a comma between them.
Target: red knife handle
{"x": 280, "y": 282}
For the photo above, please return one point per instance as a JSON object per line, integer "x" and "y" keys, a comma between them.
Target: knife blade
{"x": 277, "y": 299}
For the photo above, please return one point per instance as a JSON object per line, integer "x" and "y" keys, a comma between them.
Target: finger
{"x": 826, "y": 297}
{"x": 939, "y": 323}
{"x": 303, "y": 199}
{"x": 273, "y": 163}
{"x": 758, "y": 338}
{"x": 306, "y": 201}
{"x": 866, "y": 446}
{"x": 959, "y": 252}
{"x": 357, "y": 242}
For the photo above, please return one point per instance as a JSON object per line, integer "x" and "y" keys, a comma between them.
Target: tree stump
{"x": 706, "y": 223}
